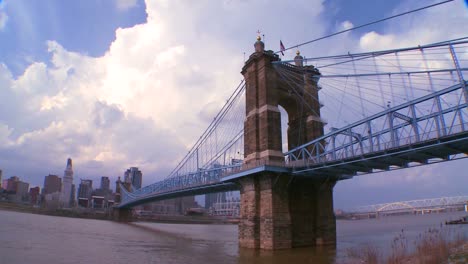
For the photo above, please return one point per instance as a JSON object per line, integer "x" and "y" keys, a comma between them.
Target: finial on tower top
{"x": 259, "y": 45}
{"x": 298, "y": 53}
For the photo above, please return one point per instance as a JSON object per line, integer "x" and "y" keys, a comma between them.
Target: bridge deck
{"x": 402, "y": 156}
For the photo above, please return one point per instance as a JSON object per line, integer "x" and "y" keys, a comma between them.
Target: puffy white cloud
{"x": 440, "y": 23}
{"x": 142, "y": 103}
{"x": 346, "y": 25}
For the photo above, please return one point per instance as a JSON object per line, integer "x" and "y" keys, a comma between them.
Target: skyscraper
{"x": 67, "y": 184}
{"x": 85, "y": 190}
{"x": 133, "y": 176}
{"x": 1, "y": 174}
{"x": 105, "y": 183}
{"x": 52, "y": 184}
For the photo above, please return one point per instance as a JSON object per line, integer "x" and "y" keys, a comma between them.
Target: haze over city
{"x": 116, "y": 84}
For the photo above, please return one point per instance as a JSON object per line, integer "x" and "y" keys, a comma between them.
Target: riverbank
{"x": 107, "y": 215}
{"x": 86, "y": 214}
{"x": 433, "y": 246}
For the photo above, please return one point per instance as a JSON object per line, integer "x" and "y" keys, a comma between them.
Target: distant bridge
{"x": 414, "y": 205}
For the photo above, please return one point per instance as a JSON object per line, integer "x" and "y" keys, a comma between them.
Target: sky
{"x": 115, "y": 84}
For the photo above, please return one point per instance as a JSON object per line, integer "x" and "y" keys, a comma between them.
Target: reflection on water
{"x": 43, "y": 239}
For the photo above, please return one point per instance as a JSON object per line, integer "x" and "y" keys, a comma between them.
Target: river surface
{"x": 41, "y": 239}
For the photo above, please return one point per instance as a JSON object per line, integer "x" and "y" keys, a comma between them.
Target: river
{"x": 41, "y": 239}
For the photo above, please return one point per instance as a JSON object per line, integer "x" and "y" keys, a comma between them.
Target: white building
{"x": 67, "y": 185}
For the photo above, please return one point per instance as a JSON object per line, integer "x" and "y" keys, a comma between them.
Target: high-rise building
{"x": 12, "y": 184}
{"x": 34, "y": 195}
{"x": 67, "y": 184}
{"x": 105, "y": 183}
{"x": 52, "y": 184}
{"x": 117, "y": 190}
{"x": 21, "y": 192}
{"x": 133, "y": 176}
{"x": 73, "y": 196}
{"x": 1, "y": 174}
{"x": 85, "y": 190}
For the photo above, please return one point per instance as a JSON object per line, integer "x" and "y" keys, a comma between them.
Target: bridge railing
{"x": 345, "y": 143}
{"x": 190, "y": 180}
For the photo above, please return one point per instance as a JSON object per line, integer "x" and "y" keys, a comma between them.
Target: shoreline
{"x": 107, "y": 215}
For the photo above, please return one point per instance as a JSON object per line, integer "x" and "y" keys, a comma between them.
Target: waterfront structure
{"x": 67, "y": 184}
{"x": 52, "y": 184}
{"x": 229, "y": 208}
{"x": 212, "y": 198}
{"x": 100, "y": 197}
{"x": 176, "y": 206}
{"x": 133, "y": 177}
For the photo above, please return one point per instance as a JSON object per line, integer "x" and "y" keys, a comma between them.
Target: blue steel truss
{"x": 405, "y": 136}
{"x": 428, "y": 124}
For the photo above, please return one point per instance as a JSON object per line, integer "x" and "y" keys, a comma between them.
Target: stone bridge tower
{"x": 278, "y": 209}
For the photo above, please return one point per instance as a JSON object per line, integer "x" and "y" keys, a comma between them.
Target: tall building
{"x": 21, "y": 192}
{"x": 34, "y": 195}
{"x": 73, "y": 196}
{"x": 85, "y": 190}
{"x": 117, "y": 190}
{"x": 105, "y": 183}
{"x": 52, "y": 184}
{"x": 67, "y": 184}
{"x": 1, "y": 174}
{"x": 133, "y": 176}
{"x": 12, "y": 184}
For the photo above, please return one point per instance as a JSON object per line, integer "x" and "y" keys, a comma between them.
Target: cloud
{"x": 143, "y": 103}
{"x": 436, "y": 24}
{"x": 126, "y": 4}
{"x": 3, "y": 19}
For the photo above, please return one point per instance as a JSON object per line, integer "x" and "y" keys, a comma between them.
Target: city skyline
{"x": 69, "y": 93}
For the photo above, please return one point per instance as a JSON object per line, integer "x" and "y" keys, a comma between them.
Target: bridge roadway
{"x": 441, "y": 148}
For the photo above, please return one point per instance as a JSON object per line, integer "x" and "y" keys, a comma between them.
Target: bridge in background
{"x": 384, "y": 110}
{"x": 414, "y": 206}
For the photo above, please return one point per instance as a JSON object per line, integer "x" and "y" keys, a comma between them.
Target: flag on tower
{"x": 282, "y": 48}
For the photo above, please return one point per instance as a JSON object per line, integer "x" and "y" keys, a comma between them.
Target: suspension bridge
{"x": 293, "y": 128}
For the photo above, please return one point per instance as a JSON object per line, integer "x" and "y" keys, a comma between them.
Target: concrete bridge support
{"x": 122, "y": 214}
{"x": 279, "y": 213}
